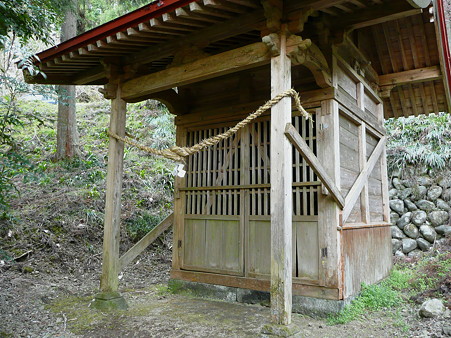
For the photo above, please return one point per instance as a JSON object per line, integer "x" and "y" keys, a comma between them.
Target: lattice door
{"x": 227, "y": 204}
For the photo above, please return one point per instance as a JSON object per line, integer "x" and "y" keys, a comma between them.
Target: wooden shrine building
{"x": 286, "y": 205}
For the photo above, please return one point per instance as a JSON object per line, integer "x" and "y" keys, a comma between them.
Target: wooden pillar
{"x": 110, "y": 267}
{"x": 281, "y": 196}
{"x": 328, "y": 217}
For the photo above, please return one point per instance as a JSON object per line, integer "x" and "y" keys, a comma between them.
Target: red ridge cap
{"x": 121, "y": 23}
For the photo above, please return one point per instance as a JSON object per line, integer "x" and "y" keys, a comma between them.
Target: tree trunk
{"x": 67, "y": 140}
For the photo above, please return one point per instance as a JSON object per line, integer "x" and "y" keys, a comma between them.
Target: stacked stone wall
{"x": 420, "y": 203}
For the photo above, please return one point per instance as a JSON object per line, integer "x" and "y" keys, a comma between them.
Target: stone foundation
{"x": 315, "y": 307}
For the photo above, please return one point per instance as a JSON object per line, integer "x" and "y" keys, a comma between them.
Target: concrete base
{"x": 280, "y": 330}
{"x": 315, "y": 307}
{"x": 105, "y": 301}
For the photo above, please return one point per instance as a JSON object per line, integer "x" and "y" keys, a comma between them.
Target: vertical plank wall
{"x": 366, "y": 240}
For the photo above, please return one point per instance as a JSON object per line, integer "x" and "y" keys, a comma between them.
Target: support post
{"x": 109, "y": 282}
{"x": 281, "y": 195}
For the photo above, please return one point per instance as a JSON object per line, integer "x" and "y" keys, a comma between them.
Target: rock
{"x": 404, "y": 220}
{"x": 424, "y": 244}
{"x": 411, "y": 230}
{"x": 446, "y": 195}
{"x": 396, "y": 244}
{"x": 410, "y": 205}
{"x": 396, "y": 233}
{"x": 434, "y": 192}
{"x": 419, "y": 192}
{"x": 397, "y": 183}
{"x": 446, "y": 330}
{"x": 396, "y": 173}
{"x": 399, "y": 253}
{"x": 403, "y": 194}
{"x": 445, "y": 182}
{"x": 392, "y": 193}
{"x": 397, "y": 206}
{"x": 432, "y": 308}
{"x": 441, "y": 204}
{"x": 418, "y": 217}
{"x": 444, "y": 230}
{"x": 408, "y": 183}
{"x": 394, "y": 217}
{"x": 414, "y": 253}
{"x": 438, "y": 218}
{"x": 408, "y": 244}
{"x": 424, "y": 180}
{"x": 425, "y": 205}
{"x": 428, "y": 233}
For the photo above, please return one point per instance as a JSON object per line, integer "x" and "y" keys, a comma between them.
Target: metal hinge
{"x": 179, "y": 243}
{"x": 323, "y": 252}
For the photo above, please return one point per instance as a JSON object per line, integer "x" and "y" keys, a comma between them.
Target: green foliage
{"x": 96, "y": 12}
{"x": 421, "y": 140}
{"x": 406, "y": 280}
{"x": 13, "y": 160}
{"x": 29, "y": 18}
{"x": 138, "y": 226}
{"x": 430, "y": 272}
{"x": 372, "y": 297}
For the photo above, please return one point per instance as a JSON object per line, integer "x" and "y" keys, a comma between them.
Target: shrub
{"x": 421, "y": 140}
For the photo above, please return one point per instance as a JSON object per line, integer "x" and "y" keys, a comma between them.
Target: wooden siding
{"x": 367, "y": 257}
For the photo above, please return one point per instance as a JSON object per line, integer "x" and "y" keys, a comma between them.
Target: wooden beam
{"x": 313, "y": 4}
{"x": 144, "y": 242}
{"x": 95, "y": 74}
{"x": 355, "y": 113}
{"x": 411, "y": 76}
{"x": 246, "y": 57}
{"x": 362, "y": 179}
{"x": 281, "y": 205}
{"x": 299, "y": 143}
{"x": 220, "y": 31}
{"x": 110, "y": 266}
{"x": 373, "y": 15}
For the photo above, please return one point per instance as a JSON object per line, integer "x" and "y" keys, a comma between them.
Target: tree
{"x": 29, "y": 18}
{"x": 67, "y": 140}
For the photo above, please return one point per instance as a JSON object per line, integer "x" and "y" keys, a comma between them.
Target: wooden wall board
{"x": 363, "y": 265}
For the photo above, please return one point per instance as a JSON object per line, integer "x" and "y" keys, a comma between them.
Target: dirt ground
{"x": 41, "y": 304}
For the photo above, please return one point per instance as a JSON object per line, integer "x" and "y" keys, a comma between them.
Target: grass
{"x": 408, "y": 281}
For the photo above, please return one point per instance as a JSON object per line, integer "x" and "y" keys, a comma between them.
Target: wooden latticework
{"x": 215, "y": 176}
{"x": 227, "y": 203}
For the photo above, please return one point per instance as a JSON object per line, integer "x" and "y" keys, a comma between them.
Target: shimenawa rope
{"x": 178, "y": 154}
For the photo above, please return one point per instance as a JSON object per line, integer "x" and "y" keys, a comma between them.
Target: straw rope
{"x": 178, "y": 154}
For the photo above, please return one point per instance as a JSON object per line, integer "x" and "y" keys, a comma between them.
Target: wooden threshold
{"x": 254, "y": 284}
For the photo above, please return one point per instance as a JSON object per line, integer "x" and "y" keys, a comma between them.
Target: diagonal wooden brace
{"x": 144, "y": 242}
{"x": 299, "y": 143}
{"x": 362, "y": 179}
